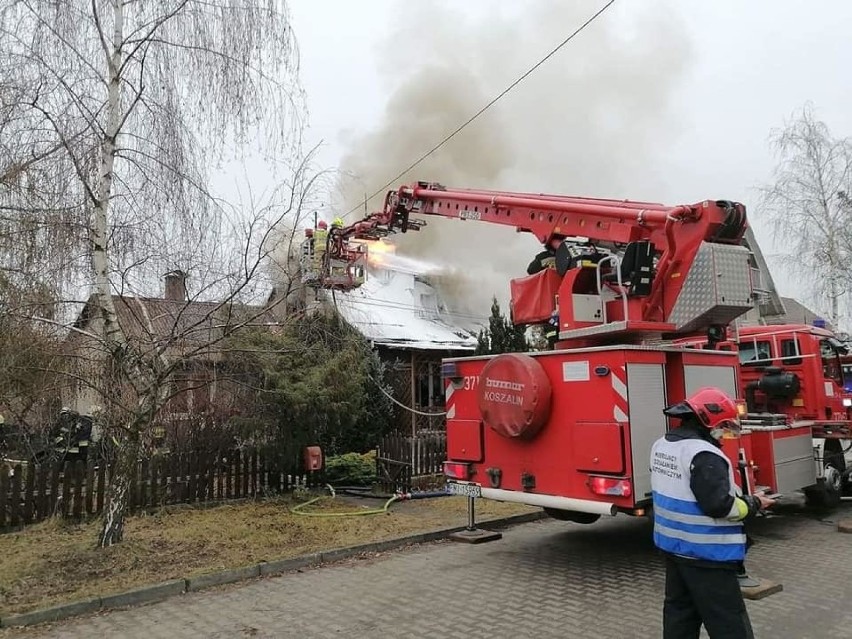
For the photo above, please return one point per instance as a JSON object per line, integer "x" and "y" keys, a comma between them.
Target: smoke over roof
{"x": 591, "y": 121}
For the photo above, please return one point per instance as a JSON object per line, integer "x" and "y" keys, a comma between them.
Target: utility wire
{"x": 401, "y": 405}
{"x": 489, "y": 105}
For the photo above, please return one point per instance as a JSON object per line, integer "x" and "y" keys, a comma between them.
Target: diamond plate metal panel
{"x": 718, "y": 288}
{"x": 733, "y": 281}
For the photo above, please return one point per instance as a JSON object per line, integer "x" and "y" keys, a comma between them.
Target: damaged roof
{"x": 399, "y": 309}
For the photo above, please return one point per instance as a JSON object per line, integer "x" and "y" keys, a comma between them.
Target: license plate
{"x": 465, "y": 490}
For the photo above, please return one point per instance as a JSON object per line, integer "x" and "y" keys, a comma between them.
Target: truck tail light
{"x": 457, "y": 470}
{"x": 610, "y": 486}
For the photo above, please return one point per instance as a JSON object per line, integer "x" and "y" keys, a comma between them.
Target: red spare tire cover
{"x": 514, "y": 395}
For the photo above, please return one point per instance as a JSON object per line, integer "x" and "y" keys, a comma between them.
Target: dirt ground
{"x": 56, "y": 561}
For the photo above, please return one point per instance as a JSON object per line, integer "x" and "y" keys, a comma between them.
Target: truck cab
{"x": 794, "y": 369}
{"x": 793, "y": 380}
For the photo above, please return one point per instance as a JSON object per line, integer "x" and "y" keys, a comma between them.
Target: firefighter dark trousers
{"x": 698, "y": 594}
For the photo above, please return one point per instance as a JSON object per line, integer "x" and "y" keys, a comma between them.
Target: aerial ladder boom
{"x": 616, "y": 269}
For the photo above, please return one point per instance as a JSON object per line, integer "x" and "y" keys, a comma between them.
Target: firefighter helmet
{"x": 713, "y": 408}
{"x": 322, "y": 225}
{"x": 338, "y": 222}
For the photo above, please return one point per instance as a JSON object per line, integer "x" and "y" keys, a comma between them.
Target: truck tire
{"x": 572, "y": 515}
{"x": 828, "y": 491}
{"x": 832, "y": 453}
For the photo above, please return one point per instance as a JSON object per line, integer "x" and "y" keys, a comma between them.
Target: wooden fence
{"x": 400, "y": 458}
{"x": 33, "y": 492}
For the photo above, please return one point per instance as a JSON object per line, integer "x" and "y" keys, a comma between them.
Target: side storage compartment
{"x": 646, "y": 400}
{"x": 464, "y": 440}
{"x": 598, "y": 447}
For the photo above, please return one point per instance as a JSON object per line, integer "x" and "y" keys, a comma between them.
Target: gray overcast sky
{"x": 747, "y": 66}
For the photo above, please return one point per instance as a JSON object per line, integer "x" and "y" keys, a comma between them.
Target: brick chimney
{"x": 176, "y": 286}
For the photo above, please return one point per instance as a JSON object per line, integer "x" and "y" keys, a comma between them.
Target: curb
{"x": 277, "y": 566}
{"x": 57, "y": 613}
{"x": 145, "y": 594}
{"x": 194, "y": 584}
{"x": 168, "y": 589}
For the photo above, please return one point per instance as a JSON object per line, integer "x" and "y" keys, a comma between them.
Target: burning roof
{"x": 397, "y": 307}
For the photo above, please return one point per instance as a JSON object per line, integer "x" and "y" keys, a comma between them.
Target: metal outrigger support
{"x": 471, "y": 534}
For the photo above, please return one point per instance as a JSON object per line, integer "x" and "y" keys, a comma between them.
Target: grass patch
{"x": 56, "y": 562}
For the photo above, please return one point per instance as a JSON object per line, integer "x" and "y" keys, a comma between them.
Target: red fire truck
{"x": 799, "y": 411}
{"x": 570, "y": 429}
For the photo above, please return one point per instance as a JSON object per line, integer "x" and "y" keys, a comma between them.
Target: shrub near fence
{"x": 34, "y": 492}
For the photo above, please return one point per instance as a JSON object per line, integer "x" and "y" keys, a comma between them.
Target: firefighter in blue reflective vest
{"x": 698, "y": 520}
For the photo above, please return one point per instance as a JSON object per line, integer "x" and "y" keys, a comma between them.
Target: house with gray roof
{"x": 412, "y": 329}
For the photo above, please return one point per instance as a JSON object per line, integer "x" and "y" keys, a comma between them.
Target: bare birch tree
{"x": 118, "y": 110}
{"x": 808, "y": 206}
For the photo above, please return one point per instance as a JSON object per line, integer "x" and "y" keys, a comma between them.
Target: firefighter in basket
{"x": 698, "y": 520}
{"x": 320, "y": 242}
{"x": 338, "y": 269}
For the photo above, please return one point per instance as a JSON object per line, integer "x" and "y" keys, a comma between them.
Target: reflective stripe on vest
{"x": 680, "y": 526}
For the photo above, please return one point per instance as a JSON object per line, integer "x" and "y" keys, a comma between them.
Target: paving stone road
{"x": 543, "y": 579}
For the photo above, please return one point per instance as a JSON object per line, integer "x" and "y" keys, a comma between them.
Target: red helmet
{"x": 713, "y": 408}
{"x": 322, "y": 224}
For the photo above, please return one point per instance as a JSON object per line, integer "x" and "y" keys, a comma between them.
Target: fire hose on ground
{"x": 298, "y": 510}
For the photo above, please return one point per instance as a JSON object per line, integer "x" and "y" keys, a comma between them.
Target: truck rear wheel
{"x": 827, "y": 493}
{"x": 572, "y": 515}
{"x": 832, "y": 453}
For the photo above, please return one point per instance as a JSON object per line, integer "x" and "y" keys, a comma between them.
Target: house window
{"x": 429, "y": 393}
{"x": 181, "y": 401}
{"x": 428, "y": 308}
{"x": 192, "y": 395}
{"x": 755, "y": 353}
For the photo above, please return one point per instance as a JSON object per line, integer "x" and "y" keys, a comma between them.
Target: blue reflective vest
{"x": 680, "y": 526}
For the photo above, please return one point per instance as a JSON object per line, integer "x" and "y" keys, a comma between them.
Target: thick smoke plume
{"x": 591, "y": 121}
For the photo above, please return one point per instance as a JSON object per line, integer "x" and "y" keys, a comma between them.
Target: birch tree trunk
{"x": 100, "y": 222}
{"x": 120, "y": 475}
{"x": 128, "y": 444}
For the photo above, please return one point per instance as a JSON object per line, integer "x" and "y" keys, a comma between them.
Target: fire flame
{"x": 377, "y": 252}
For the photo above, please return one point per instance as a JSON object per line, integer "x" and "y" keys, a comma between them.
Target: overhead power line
{"x": 489, "y": 105}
